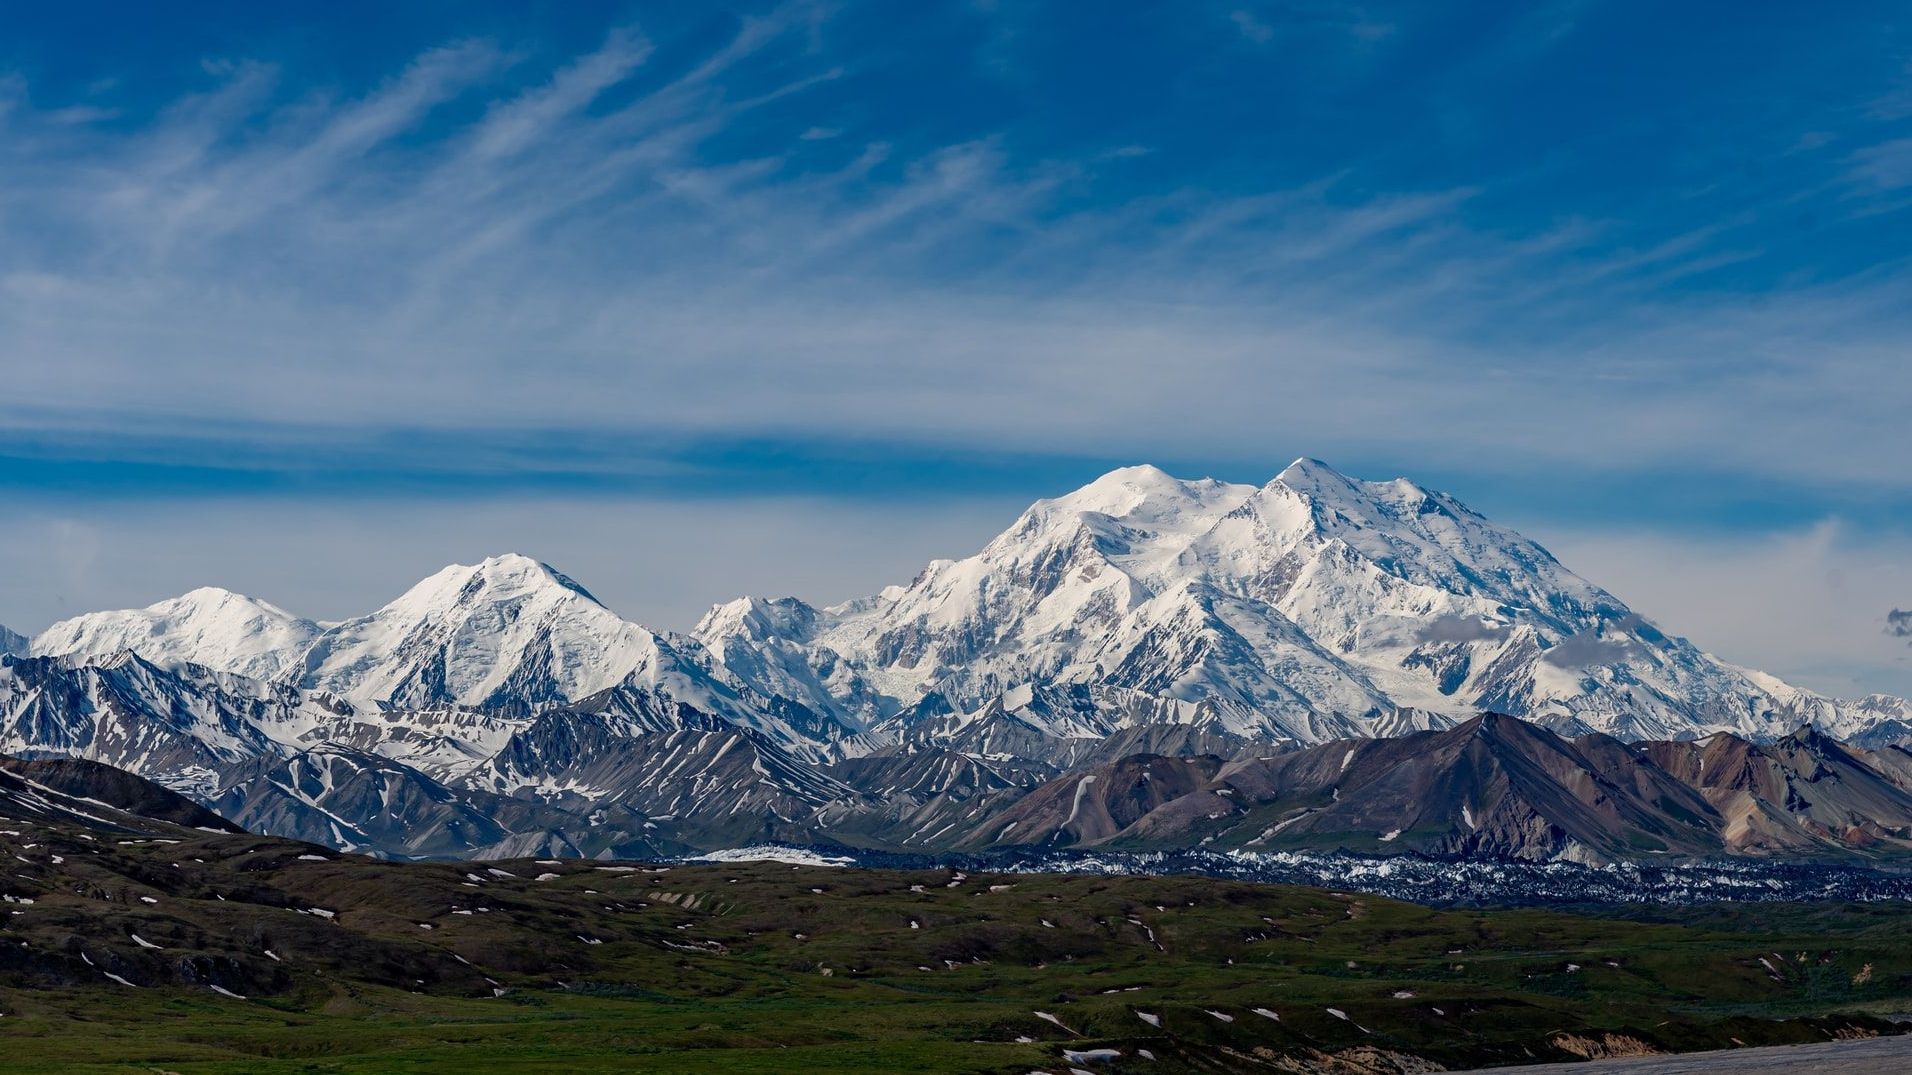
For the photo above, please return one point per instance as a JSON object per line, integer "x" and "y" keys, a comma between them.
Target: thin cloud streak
{"x": 368, "y": 265}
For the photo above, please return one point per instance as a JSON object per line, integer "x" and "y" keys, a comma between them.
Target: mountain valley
{"x": 141, "y": 932}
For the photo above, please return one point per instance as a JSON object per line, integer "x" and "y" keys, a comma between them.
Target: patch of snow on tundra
{"x": 766, "y": 853}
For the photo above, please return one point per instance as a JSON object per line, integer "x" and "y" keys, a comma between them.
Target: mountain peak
{"x": 516, "y": 565}
{"x": 499, "y": 577}
{"x": 1309, "y": 465}
{"x": 1308, "y": 474}
{"x": 758, "y": 618}
{"x": 1139, "y": 473}
{"x": 472, "y": 634}
{"x": 516, "y": 562}
{"x": 1493, "y": 725}
{"x": 1146, "y": 492}
{"x": 210, "y": 626}
{"x": 1141, "y": 479}
{"x": 213, "y": 598}
{"x": 1809, "y": 736}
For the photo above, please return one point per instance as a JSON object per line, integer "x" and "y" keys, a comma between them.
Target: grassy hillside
{"x": 767, "y": 967}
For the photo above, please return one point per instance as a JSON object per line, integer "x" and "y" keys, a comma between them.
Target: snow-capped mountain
{"x": 1314, "y": 607}
{"x": 281, "y": 759}
{"x": 508, "y": 635}
{"x": 13, "y": 642}
{"x": 508, "y": 632}
{"x": 1083, "y": 589}
{"x": 209, "y": 626}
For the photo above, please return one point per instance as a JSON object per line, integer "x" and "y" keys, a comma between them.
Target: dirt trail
{"x": 1866, "y": 1056}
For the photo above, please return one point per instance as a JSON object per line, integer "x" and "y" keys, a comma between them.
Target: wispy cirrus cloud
{"x": 463, "y": 244}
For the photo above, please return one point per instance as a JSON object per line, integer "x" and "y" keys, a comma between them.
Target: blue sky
{"x": 866, "y": 276}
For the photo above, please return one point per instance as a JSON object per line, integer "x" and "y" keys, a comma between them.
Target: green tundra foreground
{"x": 332, "y": 963}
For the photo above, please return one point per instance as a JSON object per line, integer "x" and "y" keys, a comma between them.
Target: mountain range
{"x": 1146, "y": 661}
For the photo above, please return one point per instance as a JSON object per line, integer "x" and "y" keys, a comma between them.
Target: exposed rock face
{"x": 1495, "y": 786}
{"x": 1801, "y": 793}
{"x": 96, "y": 796}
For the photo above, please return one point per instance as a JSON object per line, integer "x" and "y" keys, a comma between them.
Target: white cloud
{"x": 1251, "y": 27}
{"x": 1807, "y": 605}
